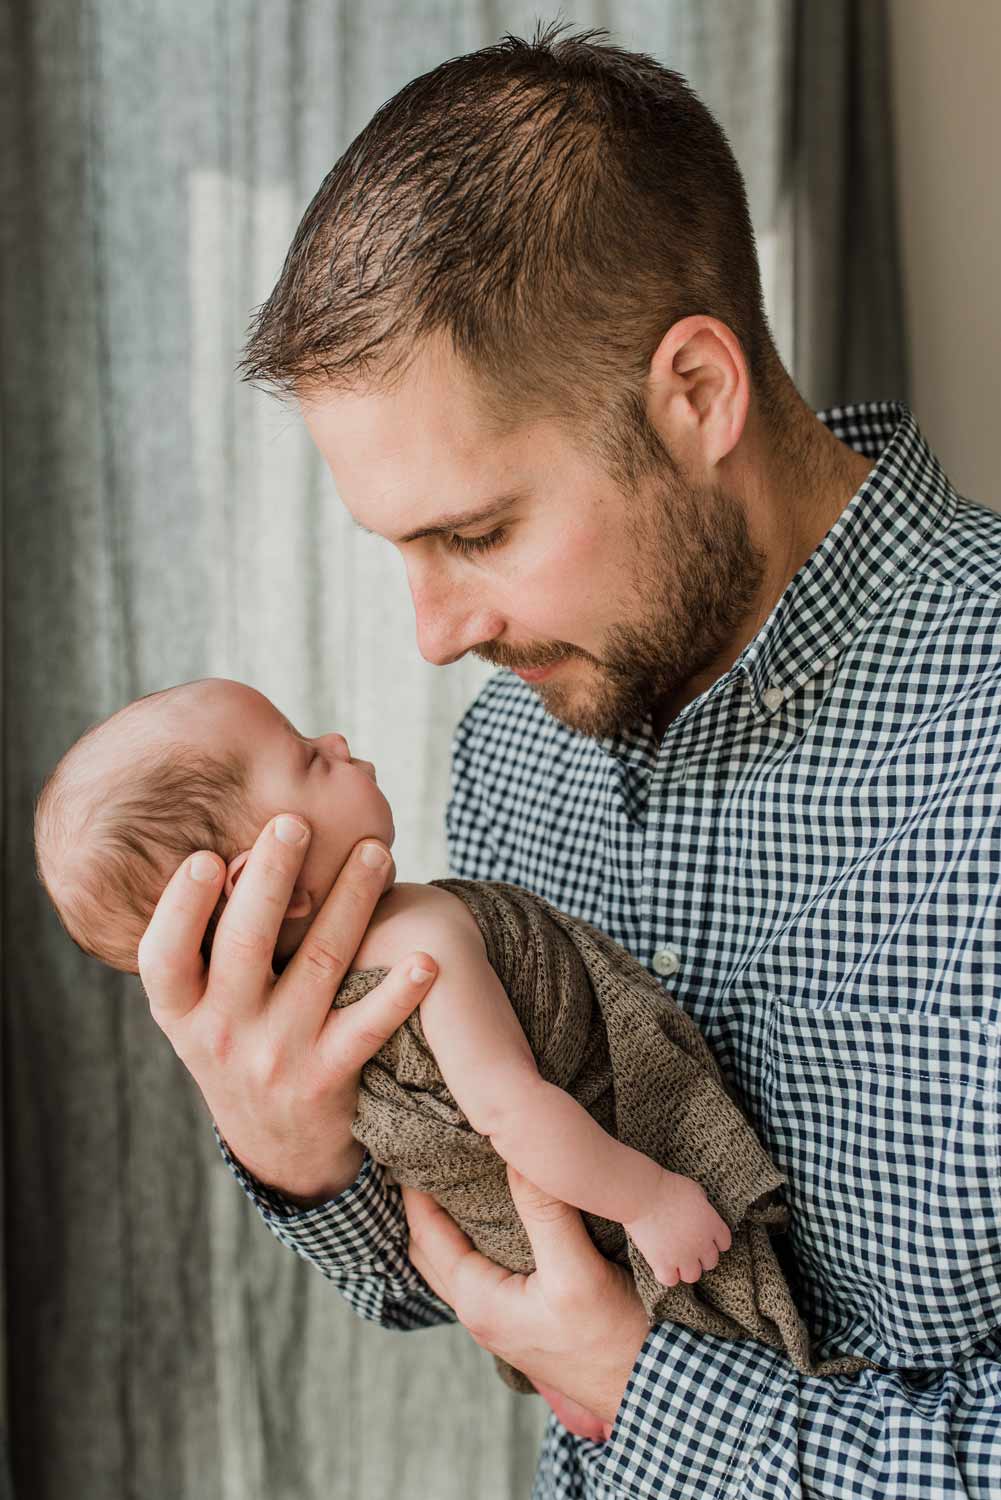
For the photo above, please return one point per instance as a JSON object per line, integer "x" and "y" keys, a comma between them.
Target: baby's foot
{"x": 680, "y": 1235}
{"x": 575, "y": 1418}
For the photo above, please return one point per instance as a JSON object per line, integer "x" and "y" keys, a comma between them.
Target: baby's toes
{"x": 721, "y": 1234}
{"x": 667, "y": 1274}
{"x": 709, "y": 1256}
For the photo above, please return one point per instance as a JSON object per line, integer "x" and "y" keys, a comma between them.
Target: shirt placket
{"x": 627, "y": 786}
{"x": 679, "y": 832}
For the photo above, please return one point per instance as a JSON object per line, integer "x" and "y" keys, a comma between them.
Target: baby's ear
{"x": 300, "y": 905}
{"x": 234, "y": 870}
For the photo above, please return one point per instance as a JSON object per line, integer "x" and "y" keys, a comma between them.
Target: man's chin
{"x": 595, "y": 714}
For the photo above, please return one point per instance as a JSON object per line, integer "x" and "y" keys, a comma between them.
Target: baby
{"x": 205, "y": 766}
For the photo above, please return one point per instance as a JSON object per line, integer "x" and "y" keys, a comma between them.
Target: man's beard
{"x": 697, "y": 577}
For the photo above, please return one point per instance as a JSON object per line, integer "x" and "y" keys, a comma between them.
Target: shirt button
{"x": 666, "y": 961}
{"x": 773, "y": 698}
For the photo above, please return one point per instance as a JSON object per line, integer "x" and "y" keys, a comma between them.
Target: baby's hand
{"x": 680, "y": 1234}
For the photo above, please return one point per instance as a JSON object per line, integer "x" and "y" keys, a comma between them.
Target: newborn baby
{"x": 205, "y": 766}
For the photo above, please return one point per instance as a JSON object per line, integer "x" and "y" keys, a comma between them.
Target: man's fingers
{"x": 170, "y": 961}
{"x": 355, "y": 1033}
{"x": 240, "y": 973}
{"x": 314, "y": 975}
{"x": 437, "y": 1244}
{"x": 448, "y": 1261}
{"x": 555, "y": 1231}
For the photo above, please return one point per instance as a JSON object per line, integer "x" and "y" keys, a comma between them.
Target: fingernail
{"x": 373, "y": 856}
{"x": 203, "y": 868}
{"x": 290, "y": 830}
{"x": 418, "y": 975}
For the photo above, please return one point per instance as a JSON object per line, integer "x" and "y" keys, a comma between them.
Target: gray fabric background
{"x": 160, "y": 523}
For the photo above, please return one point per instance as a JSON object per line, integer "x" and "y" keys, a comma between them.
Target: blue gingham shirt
{"x": 810, "y": 862}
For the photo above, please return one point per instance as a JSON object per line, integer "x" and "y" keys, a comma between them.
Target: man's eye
{"x": 467, "y": 544}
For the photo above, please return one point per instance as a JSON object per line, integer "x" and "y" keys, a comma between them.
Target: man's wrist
{"x": 608, "y": 1408}
{"x": 304, "y": 1192}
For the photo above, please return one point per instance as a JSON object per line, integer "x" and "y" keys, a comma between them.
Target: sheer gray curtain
{"x": 160, "y": 523}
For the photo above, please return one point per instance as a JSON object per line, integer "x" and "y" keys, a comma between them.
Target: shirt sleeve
{"x": 358, "y": 1240}
{"x": 704, "y": 1418}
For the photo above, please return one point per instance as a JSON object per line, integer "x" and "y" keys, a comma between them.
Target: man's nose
{"x": 449, "y": 622}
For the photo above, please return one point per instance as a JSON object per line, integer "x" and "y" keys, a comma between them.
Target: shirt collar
{"x": 886, "y": 530}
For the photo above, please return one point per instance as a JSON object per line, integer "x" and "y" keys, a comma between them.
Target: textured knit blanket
{"x": 602, "y": 1029}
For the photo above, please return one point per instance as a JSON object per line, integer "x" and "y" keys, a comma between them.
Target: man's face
{"x": 621, "y": 598}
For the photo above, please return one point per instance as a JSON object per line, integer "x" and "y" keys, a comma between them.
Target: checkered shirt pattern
{"x": 809, "y": 861}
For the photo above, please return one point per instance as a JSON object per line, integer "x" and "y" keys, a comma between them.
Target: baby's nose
{"x": 337, "y": 745}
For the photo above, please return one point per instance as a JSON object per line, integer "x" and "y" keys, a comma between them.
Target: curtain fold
{"x": 849, "y": 336}
{"x": 161, "y": 522}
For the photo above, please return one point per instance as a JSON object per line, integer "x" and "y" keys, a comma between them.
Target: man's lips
{"x": 535, "y": 674}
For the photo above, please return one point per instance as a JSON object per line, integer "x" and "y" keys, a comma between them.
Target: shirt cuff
{"x": 362, "y": 1200}
{"x": 691, "y": 1414}
{"x": 358, "y": 1239}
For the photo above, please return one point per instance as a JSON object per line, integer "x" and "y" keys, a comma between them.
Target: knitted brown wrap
{"x": 602, "y": 1029}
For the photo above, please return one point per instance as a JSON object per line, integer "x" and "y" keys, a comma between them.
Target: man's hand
{"x": 576, "y": 1324}
{"x": 278, "y": 1068}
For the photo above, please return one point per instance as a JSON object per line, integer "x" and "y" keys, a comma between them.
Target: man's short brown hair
{"x": 553, "y": 207}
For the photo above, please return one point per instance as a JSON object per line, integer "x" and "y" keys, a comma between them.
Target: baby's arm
{"x": 546, "y": 1135}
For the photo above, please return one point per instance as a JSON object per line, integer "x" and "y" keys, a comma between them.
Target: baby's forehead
{"x": 136, "y": 723}
{"x": 183, "y": 711}
{"x": 208, "y": 716}
{"x": 217, "y": 699}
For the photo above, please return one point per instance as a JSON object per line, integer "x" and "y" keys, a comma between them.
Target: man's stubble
{"x": 696, "y": 577}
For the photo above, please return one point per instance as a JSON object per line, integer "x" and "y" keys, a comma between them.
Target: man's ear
{"x": 300, "y": 905}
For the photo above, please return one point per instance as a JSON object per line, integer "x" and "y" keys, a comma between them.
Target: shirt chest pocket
{"x": 887, "y": 1127}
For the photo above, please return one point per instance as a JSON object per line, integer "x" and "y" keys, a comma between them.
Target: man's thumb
{"x": 555, "y": 1230}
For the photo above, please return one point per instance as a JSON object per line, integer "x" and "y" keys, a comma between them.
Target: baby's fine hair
{"x": 105, "y": 852}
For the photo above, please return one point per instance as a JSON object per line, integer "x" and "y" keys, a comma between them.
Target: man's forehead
{"x": 406, "y": 473}
{"x": 430, "y": 407}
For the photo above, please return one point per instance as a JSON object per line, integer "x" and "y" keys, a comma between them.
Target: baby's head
{"x": 201, "y": 766}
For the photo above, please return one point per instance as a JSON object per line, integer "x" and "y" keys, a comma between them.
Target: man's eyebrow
{"x": 444, "y": 524}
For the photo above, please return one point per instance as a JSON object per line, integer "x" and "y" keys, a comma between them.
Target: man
{"x": 748, "y": 726}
